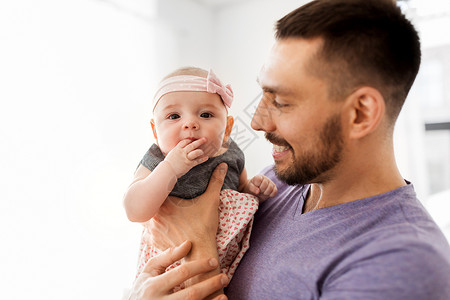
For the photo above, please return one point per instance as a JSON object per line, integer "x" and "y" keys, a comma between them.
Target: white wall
{"x": 75, "y": 83}
{"x": 244, "y": 38}
{"x": 184, "y": 35}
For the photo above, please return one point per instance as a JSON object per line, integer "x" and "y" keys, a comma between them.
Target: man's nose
{"x": 262, "y": 118}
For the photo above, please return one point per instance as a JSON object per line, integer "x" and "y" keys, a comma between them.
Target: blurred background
{"x": 76, "y": 82}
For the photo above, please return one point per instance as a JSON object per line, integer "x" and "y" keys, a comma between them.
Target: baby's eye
{"x": 174, "y": 116}
{"x": 206, "y": 115}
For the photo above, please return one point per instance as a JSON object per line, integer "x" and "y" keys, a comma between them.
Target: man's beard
{"x": 310, "y": 167}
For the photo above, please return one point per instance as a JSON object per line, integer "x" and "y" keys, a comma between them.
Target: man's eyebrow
{"x": 274, "y": 89}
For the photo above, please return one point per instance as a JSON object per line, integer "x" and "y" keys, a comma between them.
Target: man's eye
{"x": 174, "y": 116}
{"x": 277, "y": 104}
{"x": 271, "y": 98}
{"x": 206, "y": 115}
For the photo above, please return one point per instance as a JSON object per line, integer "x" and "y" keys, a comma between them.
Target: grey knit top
{"x": 195, "y": 182}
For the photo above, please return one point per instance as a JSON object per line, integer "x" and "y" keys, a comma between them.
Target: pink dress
{"x": 236, "y": 211}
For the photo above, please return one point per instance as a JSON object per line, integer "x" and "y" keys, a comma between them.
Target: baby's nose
{"x": 191, "y": 125}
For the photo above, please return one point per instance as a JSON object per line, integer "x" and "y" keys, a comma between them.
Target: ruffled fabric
{"x": 236, "y": 212}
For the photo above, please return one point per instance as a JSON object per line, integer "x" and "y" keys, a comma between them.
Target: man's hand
{"x": 195, "y": 220}
{"x": 186, "y": 155}
{"x": 153, "y": 283}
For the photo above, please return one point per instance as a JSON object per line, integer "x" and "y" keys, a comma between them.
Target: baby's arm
{"x": 260, "y": 186}
{"x": 149, "y": 189}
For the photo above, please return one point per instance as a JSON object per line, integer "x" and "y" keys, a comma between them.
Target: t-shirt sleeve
{"x": 405, "y": 271}
{"x": 147, "y": 162}
{"x": 152, "y": 157}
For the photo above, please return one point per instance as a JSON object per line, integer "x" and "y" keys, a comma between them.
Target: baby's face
{"x": 190, "y": 115}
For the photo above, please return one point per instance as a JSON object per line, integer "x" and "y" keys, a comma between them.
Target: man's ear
{"x": 366, "y": 107}
{"x": 230, "y": 123}
{"x": 152, "y": 123}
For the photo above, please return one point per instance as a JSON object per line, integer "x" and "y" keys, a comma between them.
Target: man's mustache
{"x": 275, "y": 139}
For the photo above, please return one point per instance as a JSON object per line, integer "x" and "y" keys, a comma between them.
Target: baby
{"x": 192, "y": 130}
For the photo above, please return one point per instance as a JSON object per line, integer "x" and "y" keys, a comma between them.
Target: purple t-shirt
{"x": 382, "y": 247}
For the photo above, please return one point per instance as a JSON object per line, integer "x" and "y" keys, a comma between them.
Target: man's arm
{"x": 410, "y": 270}
{"x": 196, "y": 221}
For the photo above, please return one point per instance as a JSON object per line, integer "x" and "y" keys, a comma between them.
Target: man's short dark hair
{"x": 365, "y": 43}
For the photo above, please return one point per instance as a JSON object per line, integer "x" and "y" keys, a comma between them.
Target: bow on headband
{"x": 214, "y": 85}
{"x": 182, "y": 83}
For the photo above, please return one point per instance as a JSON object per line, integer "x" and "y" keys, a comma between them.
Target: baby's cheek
{"x": 211, "y": 149}
{"x": 165, "y": 148}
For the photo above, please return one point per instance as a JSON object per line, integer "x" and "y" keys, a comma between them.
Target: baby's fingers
{"x": 257, "y": 180}
{"x": 253, "y": 189}
{"x": 197, "y": 155}
{"x": 274, "y": 191}
{"x": 183, "y": 143}
{"x": 270, "y": 190}
{"x": 194, "y": 145}
{"x": 264, "y": 183}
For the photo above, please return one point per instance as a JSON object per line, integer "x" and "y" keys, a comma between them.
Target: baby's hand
{"x": 186, "y": 155}
{"x": 262, "y": 187}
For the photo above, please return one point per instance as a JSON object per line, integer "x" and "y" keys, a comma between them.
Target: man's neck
{"x": 354, "y": 184}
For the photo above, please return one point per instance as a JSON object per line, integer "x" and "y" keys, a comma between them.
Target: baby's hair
{"x": 188, "y": 71}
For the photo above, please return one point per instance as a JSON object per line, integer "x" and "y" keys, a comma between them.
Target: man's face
{"x": 299, "y": 120}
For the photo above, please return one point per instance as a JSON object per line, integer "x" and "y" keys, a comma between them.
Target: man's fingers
{"x": 205, "y": 288}
{"x": 188, "y": 270}
{"x": 158, "y": 264}
{"x": 216, "y": 181}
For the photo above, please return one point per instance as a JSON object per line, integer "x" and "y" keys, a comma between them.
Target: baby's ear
{"x": 230, "y": 123}
{"x": 152, "y": 122}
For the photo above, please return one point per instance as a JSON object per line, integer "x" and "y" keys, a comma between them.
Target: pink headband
{"x": 185, "y": 83}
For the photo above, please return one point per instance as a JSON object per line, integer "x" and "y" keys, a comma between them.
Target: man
{"x": 347, "y": 226}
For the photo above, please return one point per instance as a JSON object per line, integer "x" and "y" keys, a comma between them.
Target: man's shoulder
{"x": 408, "y": 242}
{"x": 407, "y": 265}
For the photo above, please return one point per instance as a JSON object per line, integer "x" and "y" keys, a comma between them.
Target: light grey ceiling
{"x": 218, "y": 3}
